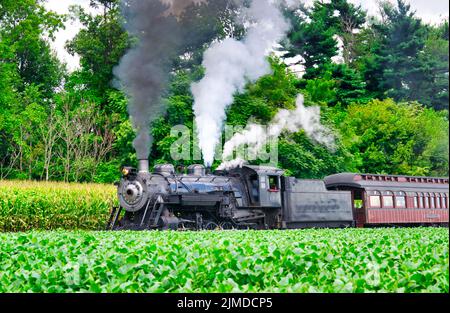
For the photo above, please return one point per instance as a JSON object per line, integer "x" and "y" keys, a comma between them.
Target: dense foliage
{"x": 74, "y": 126}
{"x": 26, "y": 205}
{"x": 352, "y": 260}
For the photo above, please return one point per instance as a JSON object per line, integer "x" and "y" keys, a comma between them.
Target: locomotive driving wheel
{"x": 211, "y": 226}
{"x": 227, "y": 226}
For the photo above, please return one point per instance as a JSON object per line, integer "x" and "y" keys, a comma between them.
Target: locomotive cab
{"x": 263, "y": 185}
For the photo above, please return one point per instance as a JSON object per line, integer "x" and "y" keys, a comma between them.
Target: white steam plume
{"x": 255, "y": 136}
{"x": 229, "y": 65}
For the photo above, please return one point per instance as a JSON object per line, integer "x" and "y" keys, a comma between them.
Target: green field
{"x": 351, "y": 260}
{"x": 75, "y": 258}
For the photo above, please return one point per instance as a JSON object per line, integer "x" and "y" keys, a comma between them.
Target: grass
{"x": 351, "y": 260}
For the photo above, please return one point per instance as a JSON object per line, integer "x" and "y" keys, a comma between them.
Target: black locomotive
{"x": 251, "y": 197}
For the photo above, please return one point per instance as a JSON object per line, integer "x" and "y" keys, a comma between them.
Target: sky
{"x": 431, "y": 11}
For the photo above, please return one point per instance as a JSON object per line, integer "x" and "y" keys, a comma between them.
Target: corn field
{"x": 28, "y": 205}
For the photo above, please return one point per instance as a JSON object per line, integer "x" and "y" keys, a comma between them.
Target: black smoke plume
{"x": 164, "y": 30}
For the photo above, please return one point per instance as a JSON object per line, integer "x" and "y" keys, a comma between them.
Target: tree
{"x": 82, "y": 146}
{"x": 313, "y": 37}
{"x": 350, "y": 21}
{"x": 408, "y": 60}
{"x": 100, "y": 44}
{"x": 29, "y": 75}
{"x": 304, "y": 159}
{"x": 386, "y": 137}
{"x": 338, "y": 84}
{"x": 433, "y": 88}
{"x": 315, "y": 33}
{"x": 49, "y": 135}
{"x": 24, "y": 25}
{"x": 206, "y": 22}
{"x": 405, "y": 39}
{"x": 350, "y": 85}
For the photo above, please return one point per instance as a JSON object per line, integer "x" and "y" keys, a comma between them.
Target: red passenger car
{"x": 393, "y": 199}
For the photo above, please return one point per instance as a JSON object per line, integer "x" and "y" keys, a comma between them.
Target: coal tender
{"x": 251, "y": 197}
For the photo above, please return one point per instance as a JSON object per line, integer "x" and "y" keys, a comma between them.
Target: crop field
{"x": 27, "y": 205}
{"x": 350, "y": 260}
{"x": 49, "y": 242}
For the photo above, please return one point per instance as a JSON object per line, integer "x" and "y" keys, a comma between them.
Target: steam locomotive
{"x": 259, "y": 197}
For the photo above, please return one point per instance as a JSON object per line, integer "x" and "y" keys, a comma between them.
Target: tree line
{"x": 382, "y": 84}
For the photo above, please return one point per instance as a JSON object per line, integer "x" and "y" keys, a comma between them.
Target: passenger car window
{"x": 388, "y": 200}
{"x": 400, "y": 202}
{"x": 375, "y": 201}
{"x": 416, "y": 201}
{"x": 427, "y": 201}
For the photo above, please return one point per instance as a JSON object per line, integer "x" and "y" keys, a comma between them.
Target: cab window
{"x": 274, "y": 183}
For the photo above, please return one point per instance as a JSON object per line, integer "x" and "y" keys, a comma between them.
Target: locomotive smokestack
{"x": 143, "y": 166}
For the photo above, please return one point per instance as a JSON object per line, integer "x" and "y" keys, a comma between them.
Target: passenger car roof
{"x": 387, "y": 182}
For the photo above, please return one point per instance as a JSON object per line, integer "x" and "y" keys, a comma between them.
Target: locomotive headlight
{"x": 125, "y": 171}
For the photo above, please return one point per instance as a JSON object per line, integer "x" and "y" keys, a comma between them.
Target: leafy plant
{"x": 350, "y": 260}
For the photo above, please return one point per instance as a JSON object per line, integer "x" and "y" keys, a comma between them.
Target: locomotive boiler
{"x": 251, "y": 197}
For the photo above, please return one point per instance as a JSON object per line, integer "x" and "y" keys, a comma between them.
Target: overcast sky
{"x": 431, "y": 11}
